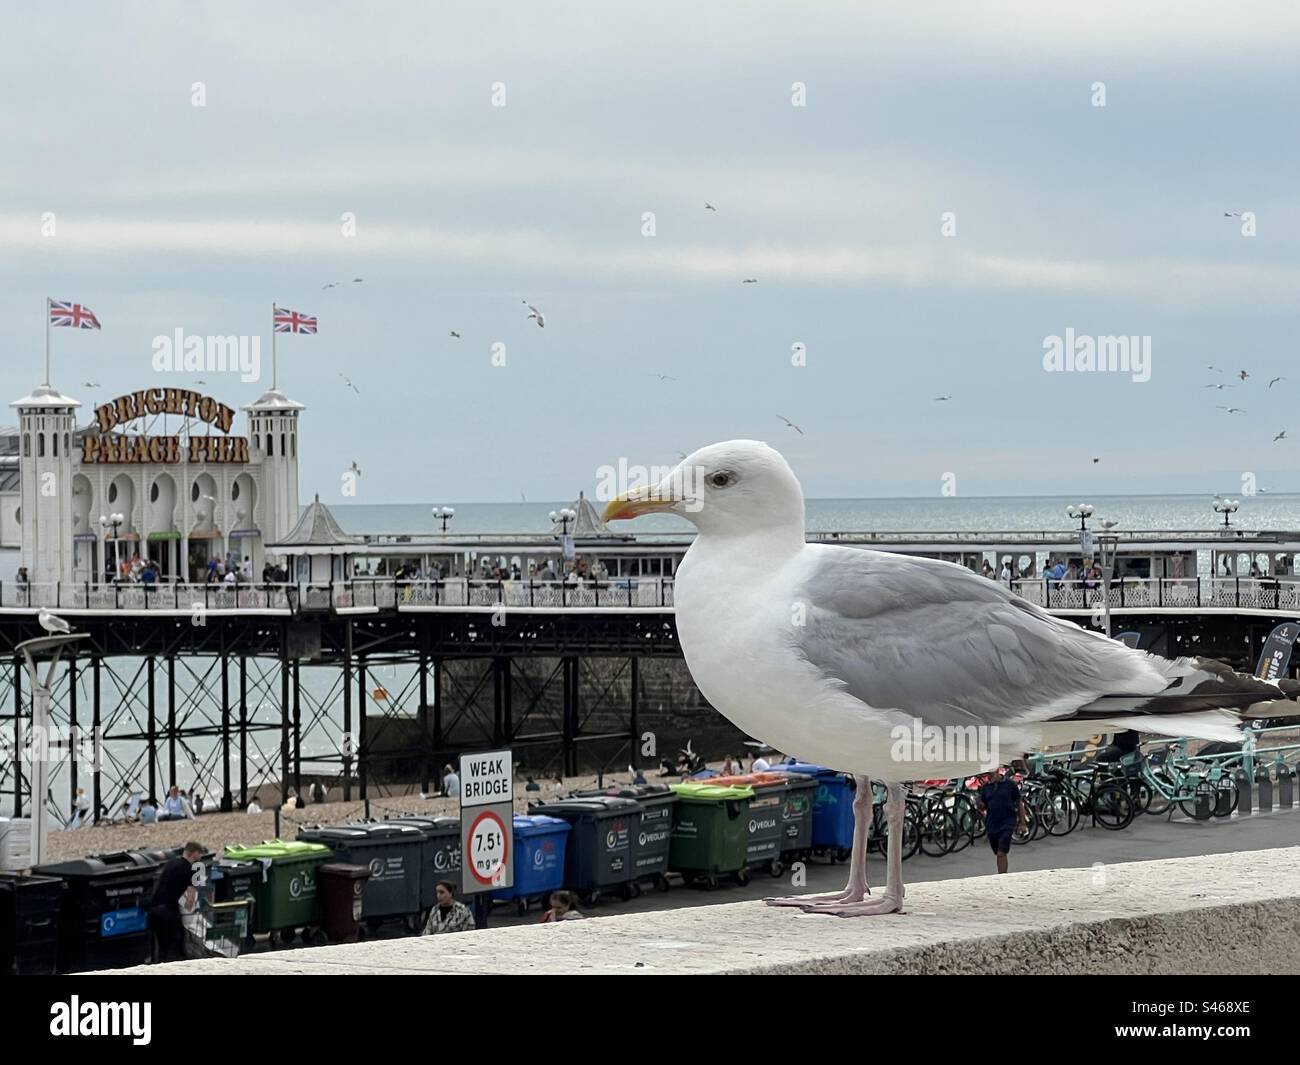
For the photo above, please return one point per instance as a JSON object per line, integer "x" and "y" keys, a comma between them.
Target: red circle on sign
{"x": 505, "y": 837}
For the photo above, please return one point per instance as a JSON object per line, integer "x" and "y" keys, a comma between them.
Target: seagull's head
{"x": 733, "y": 488}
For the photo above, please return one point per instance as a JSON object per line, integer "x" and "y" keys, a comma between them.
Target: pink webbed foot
{"x": 888, "y": 903}
{"x": 849, "y": 895}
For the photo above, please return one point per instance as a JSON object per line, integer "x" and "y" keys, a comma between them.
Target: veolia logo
{"x": 376, "y": 868}
{"x": 539, "y": 859}
{"x": 295, "y": 887}
{"x": 641, "y": 839}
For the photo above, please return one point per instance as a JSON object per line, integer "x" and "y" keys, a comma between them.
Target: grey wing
{"x": 940, "y": 643}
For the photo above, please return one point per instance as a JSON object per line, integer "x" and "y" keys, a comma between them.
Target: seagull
{"x": 200, "y": 382}
{"x": 348, "y": 381}
{"x": 355, "y": 468}
{"x": 455, "y": 334}
{"x": 52, "y": 624}
{"x": 1242, "y": 374}
{"x": 89, "y": 384}
{"x": 1280, "y": 436}
{"x": 1110, "y": 524}
{"x": 1220, "y": 387}
{"x": 889, "y": 644}
{"x": 790, "y": 424}
{"x": 1275, "y": 380}
{"x": 1231, "y": 214}
{"x": 942, "y": 399}
{"x": 1214, "y": 368}
{"x": 662, "y": 376}
{"x": 1095, "y": 461}
{"x": 332, "y": 284}
{"x": 541, "y": 322}
{"x": 709, "y": 207}
{"x": 750, "y": 281}
{"x": 357, "y": 280}
{"x": 1233, "y": 410}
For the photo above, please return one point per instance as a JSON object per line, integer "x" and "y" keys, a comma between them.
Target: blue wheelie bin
{"x": 540, "y": 845}
{"x": 832, "y": 815}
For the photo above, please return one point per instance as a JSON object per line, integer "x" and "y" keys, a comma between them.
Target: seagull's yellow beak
{"x": 633, "y": 504}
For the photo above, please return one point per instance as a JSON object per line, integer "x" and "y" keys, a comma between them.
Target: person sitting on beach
{"x": 317, "y": 793}
{"x": 149, "y": 811}
{"x": 253, "y": 808}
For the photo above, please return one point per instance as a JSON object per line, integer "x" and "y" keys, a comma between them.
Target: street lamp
{"x": 31, "y": 649}
{"x": 114, "y": 522}
{"x": 562, "y": 519}
{"x": 1226, "y": 507}
{"x": 1082, "y": 511}
{"x": 444, "y": 515}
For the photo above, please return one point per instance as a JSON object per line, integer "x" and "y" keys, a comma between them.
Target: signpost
{"x": 487, "y": 809}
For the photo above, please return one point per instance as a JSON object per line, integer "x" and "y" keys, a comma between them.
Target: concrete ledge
{"x": 1225, "y": 913}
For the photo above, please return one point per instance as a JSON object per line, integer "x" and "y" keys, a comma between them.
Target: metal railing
{"x": 1177, "y": 593}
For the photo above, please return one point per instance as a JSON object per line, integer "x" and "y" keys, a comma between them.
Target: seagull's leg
{"x": 892, "y": 900}
{"x": 857, "y": 888}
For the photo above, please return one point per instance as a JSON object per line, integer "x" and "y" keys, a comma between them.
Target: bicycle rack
{"x": 1285, "y": 784}
{"x": 1245, "y": 800}
{"x": 1264, "y": 784}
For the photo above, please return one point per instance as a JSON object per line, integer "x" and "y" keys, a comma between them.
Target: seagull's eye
{"x": 720, "y": 479}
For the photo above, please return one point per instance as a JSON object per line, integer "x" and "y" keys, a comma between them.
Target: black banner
{"x": 1276, "y": 654}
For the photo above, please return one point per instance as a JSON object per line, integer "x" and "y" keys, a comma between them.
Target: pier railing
{"x": 648, "y": 593}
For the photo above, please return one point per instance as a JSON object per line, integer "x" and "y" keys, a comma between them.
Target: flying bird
{"x": 1231, "y": 214}
{"x": 1280, "y": 436}
{"x": 1095, "y": 461}
{"x": 750, "y": 281}
{"x": 1214, "y": 368}
{"x": 332, "y": 284}
{"x": 662, "y": 376}
{"x": 455, "y": 334}
{"x": 355, "y": 468}
{"x": 52, "y": 624}
{"x": 348, "y": 381}
{"x": 891, "y": 637}
{"x": 1275, "y": 380}
{"x": 1233, "y": 410}
{"x": 541, "y": 322}
{"x": 709, "y": 207}
{"x": 942, "y": 399}
{"x": 357, "y": 280}
{"x": 790, "y": 424}
{"x": 1220, "y": 387}
{"x": 1242, "y": 374}
{"x": 89, "y": 384}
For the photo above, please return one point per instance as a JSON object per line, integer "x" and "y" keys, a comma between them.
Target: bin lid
{"x": 276, "y": 848}
{"x": 387, "y": 830}
{"x": 625, "y": 791}
{"x": 535, "y": 824}
{"x": 343, "y": 869}
{"x": 334, "y": 834}
{"x": 98, "y": 865}
{"x": 753, "y": 780}
{"x": 712, "y": 792}
{"x": 602, "y": 805}
{"x": 810, "y": 768}
{"x": 428, "y": 824}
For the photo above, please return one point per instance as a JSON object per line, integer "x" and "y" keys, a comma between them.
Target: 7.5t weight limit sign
{"x": 487, "y": 821}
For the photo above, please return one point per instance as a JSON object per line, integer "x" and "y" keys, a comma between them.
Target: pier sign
{"x": 113, "y": 446}
{"x": 487, "y": 808}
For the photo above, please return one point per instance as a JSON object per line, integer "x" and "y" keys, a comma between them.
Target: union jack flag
{"x": 73, "y": 315}
{"x": 293, "y": 321}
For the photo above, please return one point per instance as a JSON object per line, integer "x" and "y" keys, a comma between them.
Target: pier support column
{"x": 363, "y": 752}
{"x": 243, "y": 732}
{"x": 95, "y": 723}
{"x": 153, "y": 732}
{"x": 297, "y": 728}
{"x": 423, "y": 713}
{"x": 171, "y": 720}
{"x": 19, "y": 732}
{"x": 569, "y": 753}
{"x": 285, "y": 713}
{"x": 633, "y": 707}
{"x": 346, "y": 744}
{"x": 227, "y": 800}
{"x": 74, "y": 738}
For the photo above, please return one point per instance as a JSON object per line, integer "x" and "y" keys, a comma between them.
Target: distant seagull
{"x": 662, "y": 376}
{"x": 1280, "y": 436}
{"x": 347, "y": 381}
{"x": 355, "y": 468}
{"x": 455, "y": 334}
{"x": 541, "y": 322}
{"x": 332, "y": 284}
{"x": 1231, "y": 214}
{"x": 750, "y": 281}
{"x": 1095, "y": 461}
{"x": 790, "y": 424}
{"x": 1233, "y": 410}
{"x": 1220, "y": 387}
{"x": 709, "y": 207}
{"x": 523, "y": 498}
{"x": 942, "y": 399}
{"x": 1214, "y": 368}
{"x": 1275, "y": 381}
{"x": 52, "y": 624}
{"x": 1242, "y": 374}
{"x": 89, "y": 384}
{"x": 1109, "y": 524}
{"x": 357, "y": 280}
{"x": 200, "y": 382}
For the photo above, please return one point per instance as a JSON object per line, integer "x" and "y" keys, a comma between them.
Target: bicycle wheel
{"x": 1226, "y": 795}
{"x": 1065, "y": 813}
{"x": 1201, "y": 806}
{"x": 938, "y": 833}
{"x": 1159, "y": 788}
{"x": 1024, "y": 835}
{"x": 1112, "y": 807}
{"x": 963, "y": 812}
{"x": 911, "y": 835}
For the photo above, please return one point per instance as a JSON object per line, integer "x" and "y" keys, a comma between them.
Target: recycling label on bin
{"x": 487, "y": 848}
{"x": 122, "y": 922}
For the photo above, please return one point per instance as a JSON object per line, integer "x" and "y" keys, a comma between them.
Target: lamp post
{"x": 31, "y": 650}
{"x": 114, "y": 522}
{"x": 1106, "y": 546}
{"x": 1082, "y": 511}
{"x": 444, "y": 515}
{"x": 562, "y": 518}
{"x": 1227, "y": 507}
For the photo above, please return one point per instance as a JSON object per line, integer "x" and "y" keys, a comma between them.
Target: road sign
{"x": 487, "y": 809}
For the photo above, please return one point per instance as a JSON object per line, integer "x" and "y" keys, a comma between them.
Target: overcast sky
{"x": 1106, "y": 220}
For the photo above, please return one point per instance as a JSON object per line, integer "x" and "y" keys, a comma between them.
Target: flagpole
{"x": 275, "y": 366}
{"x": 47, "y": 341}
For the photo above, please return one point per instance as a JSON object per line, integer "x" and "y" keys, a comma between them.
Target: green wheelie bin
{"x": 288, "y": 899}
{"x": 710, "y": 833}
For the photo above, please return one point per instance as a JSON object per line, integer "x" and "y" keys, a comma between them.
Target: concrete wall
{"x": 1226, "y": 913}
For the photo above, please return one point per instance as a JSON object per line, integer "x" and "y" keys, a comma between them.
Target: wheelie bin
{"x": 773, "y": 813}
{"x": 287, "y": 900}
{"x": 710, "y": 832}
{"x": 832, "y": 814}
{"x": 29, "y": 924}
{"x": 440, "y": 859}
{"x": 392, "y": 853}
{"x": 343, "y": 889}
{"x": 104, "y": 911}
{"x": 598, "y": 854}
{"x": 797, "y": 815}
{"x": 540, "y": 844}
{"x": 652, "y": 835}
